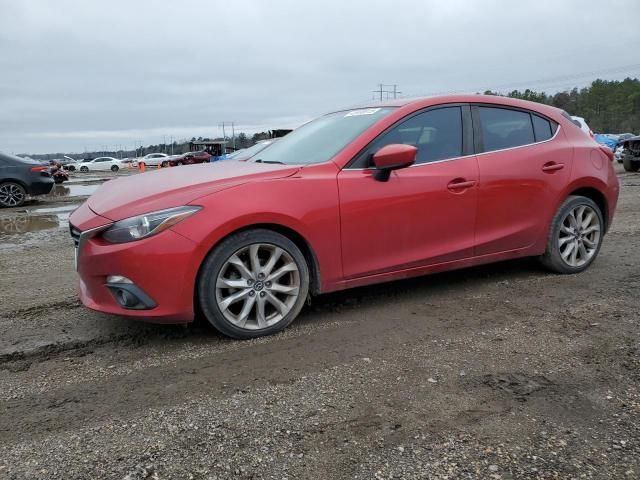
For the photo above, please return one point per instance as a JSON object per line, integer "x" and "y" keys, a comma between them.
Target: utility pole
{"x": 233, "y": 136}
{"x": 381, "y": 90}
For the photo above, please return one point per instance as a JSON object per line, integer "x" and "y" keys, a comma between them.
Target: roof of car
{"x": 422, "y": 102}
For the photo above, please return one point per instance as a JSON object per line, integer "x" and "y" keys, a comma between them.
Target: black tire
{"x": 630, "y": 165}
{"x": 165, "y": 164}
{"x": 217, "y": 259}
{"x": 114, "y": 168}
{"x": 71, "y": 168}
{"x": 179, "y": 163}
{"x": 84, "y": 169}
{"x": 58, "y": 180}
{"x": 552, "y": 258}
{"x": 12, "y": 194}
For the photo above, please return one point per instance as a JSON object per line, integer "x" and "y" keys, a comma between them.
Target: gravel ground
{"x": 497, "y": 372}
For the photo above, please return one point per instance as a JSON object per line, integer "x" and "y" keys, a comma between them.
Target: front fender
{"x": 306, "y": 203}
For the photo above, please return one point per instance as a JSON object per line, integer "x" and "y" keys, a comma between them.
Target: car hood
{"x": 172, "y": 187}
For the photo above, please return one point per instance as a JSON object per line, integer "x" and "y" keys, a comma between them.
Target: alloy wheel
{"x": 11, "y": 194}
{"x": 579, "y": 236}
{"x": 257, "y": 286}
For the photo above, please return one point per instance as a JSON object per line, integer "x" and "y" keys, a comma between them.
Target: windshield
{"x": 321, "y": 139}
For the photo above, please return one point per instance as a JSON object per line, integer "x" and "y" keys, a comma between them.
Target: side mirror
{"x": 393, "y": 157}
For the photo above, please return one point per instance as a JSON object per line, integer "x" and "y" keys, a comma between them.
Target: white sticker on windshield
{"x": 362, "y": 111}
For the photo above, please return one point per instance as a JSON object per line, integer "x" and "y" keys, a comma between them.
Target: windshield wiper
{"x": 268, "y": 161}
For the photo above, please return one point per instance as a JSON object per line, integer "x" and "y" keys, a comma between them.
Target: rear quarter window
{"x": 543, "y": 129}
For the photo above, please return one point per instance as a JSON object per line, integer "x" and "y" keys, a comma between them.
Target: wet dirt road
{"x": 503, "y": 371}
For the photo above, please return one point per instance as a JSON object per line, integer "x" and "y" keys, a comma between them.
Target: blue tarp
{"x": 605, "y": 140}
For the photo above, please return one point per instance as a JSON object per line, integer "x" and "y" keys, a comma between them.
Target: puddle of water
{"x": 72, "y": 190}
{"x": 16, "y": 224}
{"x": 36, "y": 220}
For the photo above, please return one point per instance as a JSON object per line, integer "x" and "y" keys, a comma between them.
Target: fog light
{"x": 118, "y": 279}
{"x": 126, "y": 299}
{"x": 128, "y": 294}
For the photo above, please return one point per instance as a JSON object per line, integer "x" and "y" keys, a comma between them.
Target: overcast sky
{"x": 90, "y": 73}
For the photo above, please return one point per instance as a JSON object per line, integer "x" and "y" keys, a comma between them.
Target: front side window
{"x": 503, "y": 128}
{"x": 437, "y": 134}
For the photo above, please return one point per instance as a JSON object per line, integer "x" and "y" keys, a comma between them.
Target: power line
{"x": 548, "y": 82}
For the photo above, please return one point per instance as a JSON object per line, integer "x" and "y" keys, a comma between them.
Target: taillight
{"x": 39, "y": 169}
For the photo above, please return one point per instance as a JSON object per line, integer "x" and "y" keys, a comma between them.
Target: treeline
{"x": 607, "y": 106}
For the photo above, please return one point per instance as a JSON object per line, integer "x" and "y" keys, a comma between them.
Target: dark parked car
{"x": 631, "y": 154}
{"x": 20, "y": 177}
{"x": 189, "y": 158}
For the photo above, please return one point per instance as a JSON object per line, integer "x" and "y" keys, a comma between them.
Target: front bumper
{"x": 160, "y": 266}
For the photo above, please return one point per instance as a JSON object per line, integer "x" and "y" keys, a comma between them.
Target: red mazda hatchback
{"x": 355, "y": 197}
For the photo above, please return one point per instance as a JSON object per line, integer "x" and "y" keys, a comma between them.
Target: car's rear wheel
{"x": 12, "y": 194}
{"x": 253, "y": 284}
{"x": 630, "y": 165}
{"x": 575, "y": 237}
{"x": 84, "y": 169}
{"x": 165, "y": 164}
{"x": 114, "y": 168}
{"x": 179, "y": 163}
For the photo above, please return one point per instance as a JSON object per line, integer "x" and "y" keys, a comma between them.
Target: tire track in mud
{"x": 70, "y": 303}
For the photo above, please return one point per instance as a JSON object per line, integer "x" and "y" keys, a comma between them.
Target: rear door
{"x": 101, "y": 163}
{"x": 422, "y": 215}
{"x": 524, "y": 164}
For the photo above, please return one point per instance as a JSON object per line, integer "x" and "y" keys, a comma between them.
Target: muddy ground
{"x": 503, "y": 371}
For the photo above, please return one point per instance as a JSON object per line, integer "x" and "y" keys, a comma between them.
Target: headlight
{"x": 136, "y": 228}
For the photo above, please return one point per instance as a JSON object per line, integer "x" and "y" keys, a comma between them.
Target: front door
{"x": 422, "y": 215}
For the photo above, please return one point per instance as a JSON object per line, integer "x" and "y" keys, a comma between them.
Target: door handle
{"x": 460, "y": 184}
{"x": 552, "y": 167}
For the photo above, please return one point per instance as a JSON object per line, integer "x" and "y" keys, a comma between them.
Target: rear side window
{"x": 437, "y": 134}
{"x": 542, "y": 128}
{"x": 504, "y": 128}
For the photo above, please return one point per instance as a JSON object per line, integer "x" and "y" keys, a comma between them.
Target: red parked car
{"x": 355, "y": 197}
{"x": 189, "y": 158}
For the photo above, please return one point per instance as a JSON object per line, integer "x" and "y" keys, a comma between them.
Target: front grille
{"x": 75, "y": 234}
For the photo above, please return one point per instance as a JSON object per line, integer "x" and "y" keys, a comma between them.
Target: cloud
{"x": 79, "y": 74}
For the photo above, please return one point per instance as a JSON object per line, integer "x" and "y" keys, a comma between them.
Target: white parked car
{"x": 582, "y": 124}
{"x": 102, "y": 164}
{"x": 153, "y": 159}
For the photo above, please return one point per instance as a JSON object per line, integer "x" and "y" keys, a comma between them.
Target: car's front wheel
{"x": 114, "y": 168}
{"x": 12, "y": 194}
{"x": 575, "y": 237}
{"x": 84, "y": 169}
{"x": 253, "y": 284}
